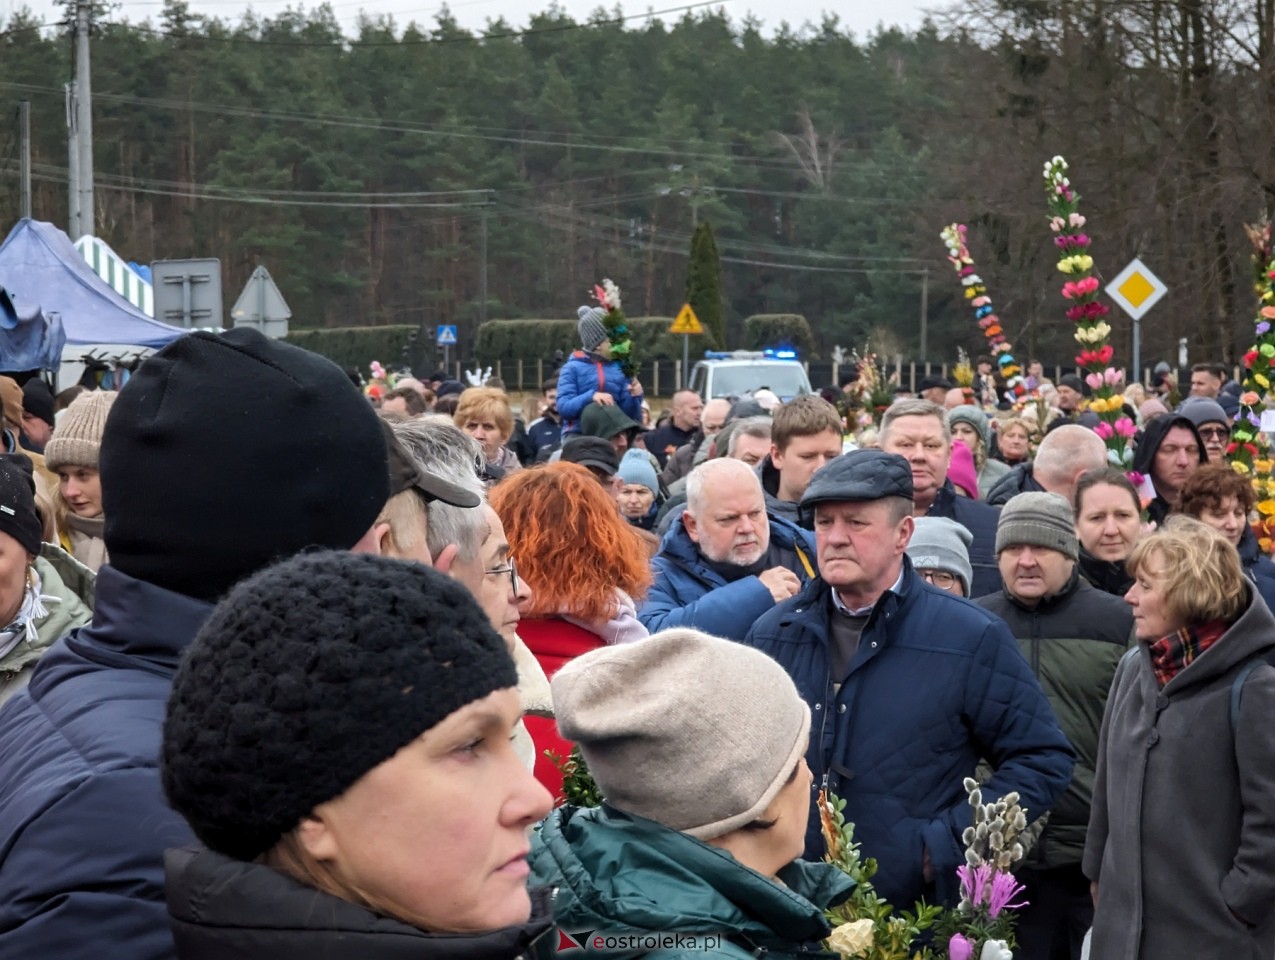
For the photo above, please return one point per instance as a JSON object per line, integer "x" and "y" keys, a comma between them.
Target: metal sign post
{"x": 1137, "y": 290}
{"x": 686, "y": 324}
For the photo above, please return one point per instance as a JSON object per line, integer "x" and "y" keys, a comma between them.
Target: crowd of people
{"x": 329, "y": 715}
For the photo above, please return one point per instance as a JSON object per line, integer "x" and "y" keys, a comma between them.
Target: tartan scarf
{"x": 1172, "y": 654}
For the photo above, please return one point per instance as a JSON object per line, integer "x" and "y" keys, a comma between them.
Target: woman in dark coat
{"x": 1181, "y": 844}
{"x": 339, "y": 739}
{"x": 1108, "y": 524}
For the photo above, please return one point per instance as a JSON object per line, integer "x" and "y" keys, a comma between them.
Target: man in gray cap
{"x": 1074, "y": 636}
{"x": 909, "y": 686}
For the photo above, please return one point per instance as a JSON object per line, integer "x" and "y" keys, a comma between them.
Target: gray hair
{"x": 756, "y": 427}
{"x": 702, "y": 477}
{"x": 1067, "y": 451}
{"x": 915, "y": 407}
{"x": 440, "y": 448}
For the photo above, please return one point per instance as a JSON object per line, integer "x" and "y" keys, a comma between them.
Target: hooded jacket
{"x": 1019, "y": 479}
{"x": 585, "y": 374}
{"x": 688, "y": 592}
{"x": 1073, "y": 641}
{"x": 1258, "y": 566}
{"x": 1180, "y": 838}
{"x": 223, "y": 908}
{"x": 788, "y": 509}
{"x": 66, "y": 590}
{"x": 937, "y": 684}
{"x": 83, "y": 822}
{"x": 616, "y": 874}
{"x": 1149, "y": 445}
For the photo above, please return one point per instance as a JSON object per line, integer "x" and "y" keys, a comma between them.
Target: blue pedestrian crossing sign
{"x": 446, "y": 336}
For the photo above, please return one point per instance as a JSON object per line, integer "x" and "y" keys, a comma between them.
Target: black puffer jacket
{"x": 1020, "y": 479}
{"x": 223, "y": 908}
{"x": 1149, "y": 445}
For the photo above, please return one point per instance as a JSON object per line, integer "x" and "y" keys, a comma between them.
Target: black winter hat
{"x": 37, "y": 400}
{"x": 225, "y": 452}
{"x": 17, "y": 502}
{"x": 306, "y": 676}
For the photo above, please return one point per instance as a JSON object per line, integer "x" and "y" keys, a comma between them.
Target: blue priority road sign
{"x": 446, "y": 336}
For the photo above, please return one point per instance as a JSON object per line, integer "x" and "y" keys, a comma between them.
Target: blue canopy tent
{"x": 40, "y": 265}
{"x": 29, "y": 339}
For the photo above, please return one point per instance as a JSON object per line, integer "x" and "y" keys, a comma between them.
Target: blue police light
{"x": 780, "y": 354}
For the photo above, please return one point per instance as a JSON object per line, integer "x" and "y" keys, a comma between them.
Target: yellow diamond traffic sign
{"x": 1136, "y": 289}
{"x": 686, "y": 321}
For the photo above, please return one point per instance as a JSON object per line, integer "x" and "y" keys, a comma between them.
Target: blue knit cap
{"x": 636, "y": 467}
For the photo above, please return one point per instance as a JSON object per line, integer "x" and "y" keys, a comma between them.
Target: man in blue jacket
{"x": 221, "y": 454}
{"x": 724, "y": 561}
{"x": 918, "y": 431}
{"x": 909, "y": 687}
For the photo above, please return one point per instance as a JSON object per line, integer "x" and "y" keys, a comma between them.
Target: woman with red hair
{"x": 587, "y": 569}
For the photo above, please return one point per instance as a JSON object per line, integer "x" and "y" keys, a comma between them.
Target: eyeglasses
{"x": 940, "y": 578}
{"x": 1214, "y": 433}
{"x": 512, "y": 570}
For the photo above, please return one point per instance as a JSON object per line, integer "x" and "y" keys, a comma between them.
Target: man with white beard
{"x": 726, "y": 562}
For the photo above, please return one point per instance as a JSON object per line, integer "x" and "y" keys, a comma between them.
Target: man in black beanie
{"x": 37, "y": 415}
{"x": 220, "y": 455}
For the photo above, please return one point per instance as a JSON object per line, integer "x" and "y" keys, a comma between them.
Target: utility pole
{"x": 482, "y": 271}
{"x": 925, "y": 313}
{"x": 24, "y": 168}
{"x": 84, "y": 116}
{"x": 72, "y": 166}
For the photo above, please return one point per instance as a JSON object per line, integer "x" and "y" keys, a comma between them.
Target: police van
{"x": 738, "y": 373}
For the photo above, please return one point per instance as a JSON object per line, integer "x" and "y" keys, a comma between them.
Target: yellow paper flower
{"x": 1266, "y": 508}
{"x": 1262, "y": 381}
{"x": 1240, "y": 468}
{"x": 852, "y": 939}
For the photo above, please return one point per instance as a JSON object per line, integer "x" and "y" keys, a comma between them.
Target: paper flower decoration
{"x": 607, "y": 294}
{"x": 1250, "y": 449}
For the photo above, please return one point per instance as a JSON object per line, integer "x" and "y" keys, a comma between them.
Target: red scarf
{"x": 1172, "y": 654}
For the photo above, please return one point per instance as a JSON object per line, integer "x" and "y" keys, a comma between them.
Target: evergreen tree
{"x": 704, "y": 285}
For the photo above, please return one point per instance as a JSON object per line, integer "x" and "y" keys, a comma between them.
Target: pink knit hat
{"x": 961, "y": 471}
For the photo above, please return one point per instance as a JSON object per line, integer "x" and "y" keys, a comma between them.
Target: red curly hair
{"x": 571, "y": 543}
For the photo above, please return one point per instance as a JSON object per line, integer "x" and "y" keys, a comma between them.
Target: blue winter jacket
{"x": 83, "y": 822}
{"x": 581, "y": 377}
{"x": 937, "y": 685}
{"x": 1258, "y": 566}
{"x": 687, "y": 592}
{"x": 981, "y": 520}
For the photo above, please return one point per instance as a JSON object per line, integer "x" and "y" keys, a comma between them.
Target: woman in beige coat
{"x": 72, "y": 454}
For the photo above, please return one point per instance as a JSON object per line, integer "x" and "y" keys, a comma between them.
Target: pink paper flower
{"x": 1094, "y": 380}
{"x": 959, "y": 948}
{"x": 1075, "y": 220}
{"x": 980, "y": 301}
{"x": 1126, "y": 428}
{"x": 1104, "y": 430}
{"x": 1004, "y": 889}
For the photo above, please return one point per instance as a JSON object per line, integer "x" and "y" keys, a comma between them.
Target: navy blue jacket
{"x": 981, "y": 520}
{"x": 543, "y": 434}
{"x": 687, "y": 592}
{"x": 83, "y": 822}
{"x": 936, "y": 685}
{"x": 581, "y": 377}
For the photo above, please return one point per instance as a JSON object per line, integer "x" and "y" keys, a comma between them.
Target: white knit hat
{"x": 77, "y": 438}
{"x": 691, "y": 731}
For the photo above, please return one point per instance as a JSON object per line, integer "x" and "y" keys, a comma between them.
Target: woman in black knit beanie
{"x": 338, "y": 738}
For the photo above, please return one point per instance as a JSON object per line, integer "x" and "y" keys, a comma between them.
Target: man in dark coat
{"x": 83, "y": 822}
{"x": 1073, "y": 635}
{"x": 1168, "y": 452}
{"x": 1064, "y": 456}
{"x": 918, "y": 431}
{"x": 680, "y": 430}
{"x": 910, "y": 687}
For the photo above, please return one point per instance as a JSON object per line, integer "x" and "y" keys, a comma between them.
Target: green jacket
{"x": 67, "y": 586}
{"x": 616, "y": 876}
{"x": 1073, "y": 640}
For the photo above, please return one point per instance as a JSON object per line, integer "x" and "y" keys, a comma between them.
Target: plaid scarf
{"x": 1172, "y": 654}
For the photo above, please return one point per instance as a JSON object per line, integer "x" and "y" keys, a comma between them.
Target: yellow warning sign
{"x": 686, "y": 321}
{"x": 1136, "y": 289}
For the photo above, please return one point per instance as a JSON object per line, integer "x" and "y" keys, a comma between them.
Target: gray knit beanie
{"x": 976, "y": 418}
{"x": 1038, "y": 520}
{"x": 1202, "y": 410}
{"x": 942, "y": 544}
{"x": 691, "y": 731}
{"x": 592, "y": 331}
{"x": 77, "y": 438}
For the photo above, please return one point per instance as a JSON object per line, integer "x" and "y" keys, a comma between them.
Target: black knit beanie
{"x": 306, "y": 676}
{"x": 17, "y": 502}
{"x": 225, "y": 452}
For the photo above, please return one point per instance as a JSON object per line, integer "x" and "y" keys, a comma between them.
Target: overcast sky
{"x": 861, "y": 16}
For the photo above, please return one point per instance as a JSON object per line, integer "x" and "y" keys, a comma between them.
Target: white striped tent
{"x": 112, "y": 268}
